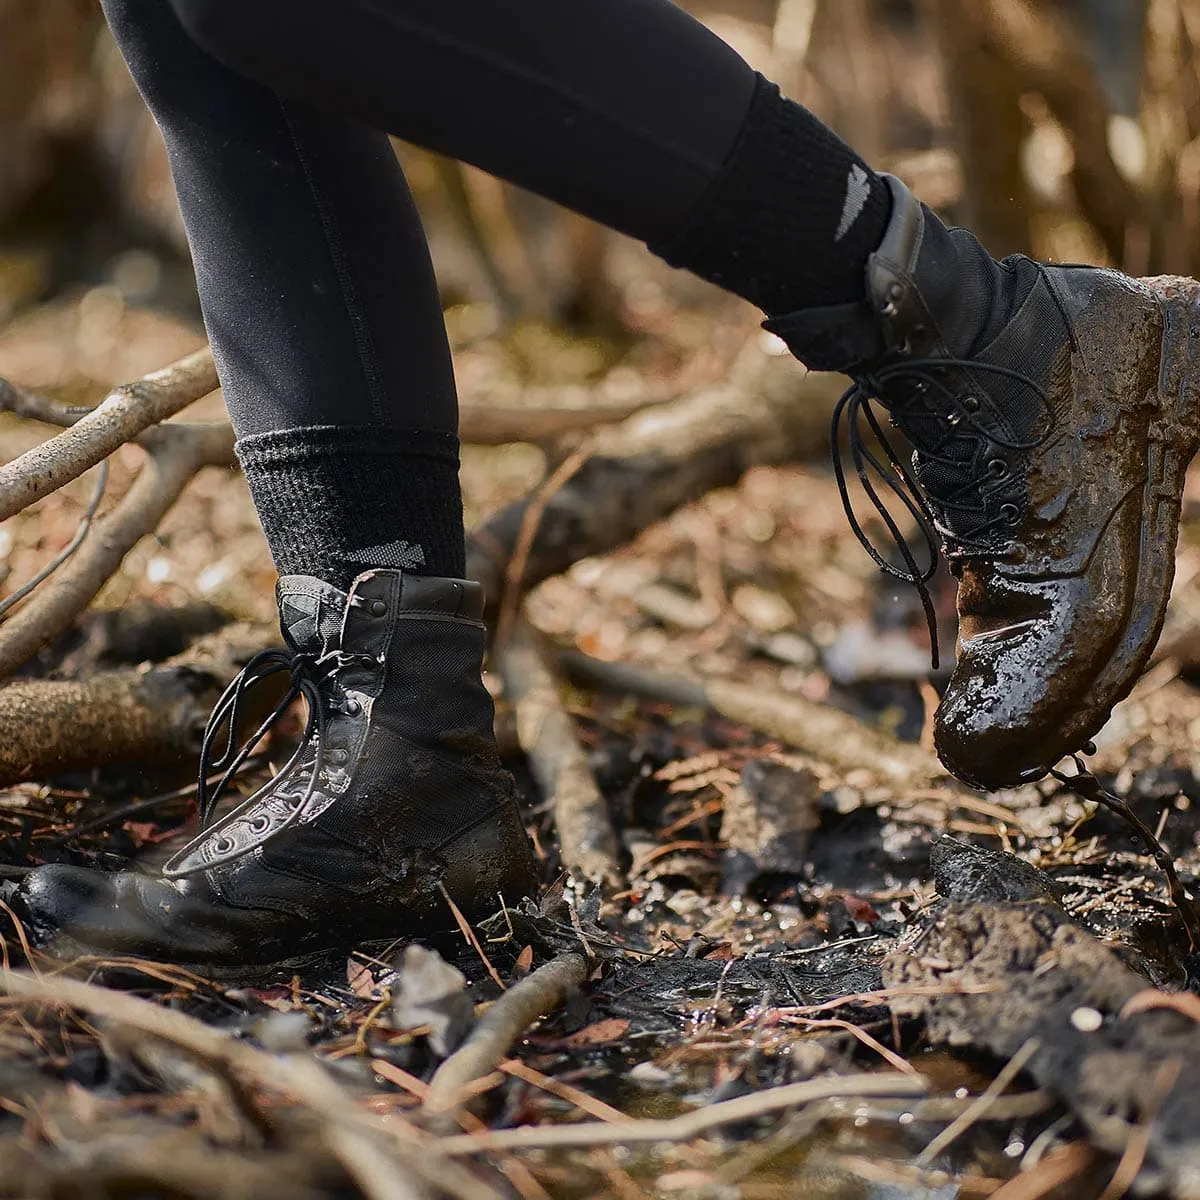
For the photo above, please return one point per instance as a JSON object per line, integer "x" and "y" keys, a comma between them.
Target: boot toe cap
{"x": 57, "y": 902}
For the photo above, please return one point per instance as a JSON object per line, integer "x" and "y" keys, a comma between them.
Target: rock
{"x": 767, "y": 823}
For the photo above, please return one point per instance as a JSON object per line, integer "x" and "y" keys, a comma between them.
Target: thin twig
{"x": 690, "y": 1125}
{"x": 362, "y": 1152}
{"x": 61, "y": 557}
{"x": 489, "y": 1042}
{"x": 983, "y": 1102}
{"x": 176, "y": 454}
{"x": 514, "y": 572}
{"x": 1085, "y": 784}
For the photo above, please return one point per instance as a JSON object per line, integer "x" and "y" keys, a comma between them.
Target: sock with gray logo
{"x": 336, "y": 500}
{"x": 790, "y": 220}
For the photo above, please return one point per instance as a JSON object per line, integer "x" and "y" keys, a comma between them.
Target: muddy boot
{"x": 1053, "y": 412}
{"x": 394, "y": 799}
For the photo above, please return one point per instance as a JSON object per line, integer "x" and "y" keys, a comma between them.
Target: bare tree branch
{"x": 113, "y": 717}
{"x": 125, "y": 412}
{"x": 176, "y": 453}
{"x": 587, "y": 843}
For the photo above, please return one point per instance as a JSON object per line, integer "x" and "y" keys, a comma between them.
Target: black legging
{"x": 310, "y": 260}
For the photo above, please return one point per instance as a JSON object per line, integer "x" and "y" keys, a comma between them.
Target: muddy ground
{"x": 1013, "y": 961}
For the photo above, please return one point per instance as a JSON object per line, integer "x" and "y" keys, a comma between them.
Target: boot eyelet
{"x": 997, "y": 468}
{"x": 223, "y": 845}
{"x": 377, "y": 608}
{"x": 260, "y": 824}
{"x": 971, "y": 403}
{"x": 339, "y": 758}
{"x": 352, "y": 707}
{"x": 1010, "y": 513}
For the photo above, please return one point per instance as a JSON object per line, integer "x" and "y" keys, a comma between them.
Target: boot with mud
{"x": 394, "y": 800}
{"x": 1053, "y": 411}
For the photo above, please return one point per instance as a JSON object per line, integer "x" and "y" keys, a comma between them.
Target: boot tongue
{"x": 310, "y": 613}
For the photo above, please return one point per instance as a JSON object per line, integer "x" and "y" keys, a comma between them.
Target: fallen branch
{"x": 821, "y": 730}
{"x": 150, "y": 715}
{"x": 125, "y": 413}
{"x": 488, "y": 425}
{"x": 369, "y": 1150}
{"x": 490, "y": 1040}
{"x": 640, "y": 471}
{"x": 175, "y": 455}
{"x": 689, "y": 1125}
{"x": 1052, "y": 982}
{"x": 587, "y": 843}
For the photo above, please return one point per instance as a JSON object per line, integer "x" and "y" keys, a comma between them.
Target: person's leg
{"x": 629, "y": 111}
{"x": 320, "y": 302}
{"x": 321, "y": 306}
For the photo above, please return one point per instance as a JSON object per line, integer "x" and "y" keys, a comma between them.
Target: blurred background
{"x": 1069, "y": 129}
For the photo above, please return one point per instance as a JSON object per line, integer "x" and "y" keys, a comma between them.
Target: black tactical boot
{"x": 1053, "y": 411}
{"x": 395, "y": 793}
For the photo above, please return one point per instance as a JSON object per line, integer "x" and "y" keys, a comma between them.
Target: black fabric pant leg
{"x": 313, "y": 273}
{"x": 629, "y": 111}
{"x": 310, "y": 259}
{"x": 321, "y": 305}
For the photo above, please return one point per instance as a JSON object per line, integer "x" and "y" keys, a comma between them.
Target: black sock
{"x": 337, "y": 500}
{"x": 789, "y": 222}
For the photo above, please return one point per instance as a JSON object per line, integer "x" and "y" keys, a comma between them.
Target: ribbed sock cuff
{"x": 337, "y": 500}
{"x": 792, "y": 217}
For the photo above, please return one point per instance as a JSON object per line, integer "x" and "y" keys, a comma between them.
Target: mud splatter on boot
{"x": 1053, "y": 411}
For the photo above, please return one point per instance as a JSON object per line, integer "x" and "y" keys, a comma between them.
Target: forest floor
{"x": 1008, "y": 969}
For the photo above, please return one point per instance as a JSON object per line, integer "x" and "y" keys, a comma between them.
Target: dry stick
{"x": 514, "y": 572}
{"x": 587, "y": 842}
{"x": 124, "y": 413}
{"x": 821, "y": 730}
{"x": 982, "y": 1103}
{"x": 689, "y": 1125}
{"x": 489, "y": 1042}
{"x": 1057, "y": 1168}
{"x": 152, "y": 715}
{"x": 478, "y": 424}
{"x": 642, "y": 470}
{"x": 176, "y": 454}
{"x": 361, "y": 1154}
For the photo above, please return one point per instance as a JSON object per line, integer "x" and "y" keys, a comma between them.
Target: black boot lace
{"x": 956, "y": 415}
{"x": 311, "y": 676}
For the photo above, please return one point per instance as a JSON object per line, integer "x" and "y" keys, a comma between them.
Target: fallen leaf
{"x": 523, "y": 965}
{"x": 1182, "y": 1002}
{"x": 859, "y": 909}
{"x": 360, "y": 979}
{"x": 146, "y": 833}
{"x": 601, "y": 1033}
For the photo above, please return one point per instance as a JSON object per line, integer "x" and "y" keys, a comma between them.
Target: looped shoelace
{"x": 856, "y": 402}
{"x": 307, "y": 673}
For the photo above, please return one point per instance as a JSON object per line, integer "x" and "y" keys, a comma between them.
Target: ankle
{"x": 336, "y": 500}
{"x": 791, "y": 218}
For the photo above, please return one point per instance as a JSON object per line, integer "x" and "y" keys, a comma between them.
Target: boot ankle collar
{"x": 848, "y": 337}
{"x": 904, "y": 319}
{"x": 310, "y": 612}
{"x": 415, "y": 594}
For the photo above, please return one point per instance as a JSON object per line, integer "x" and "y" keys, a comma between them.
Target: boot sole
{"x": 114, "y": 970}
{"x": 1173, "y": 436}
